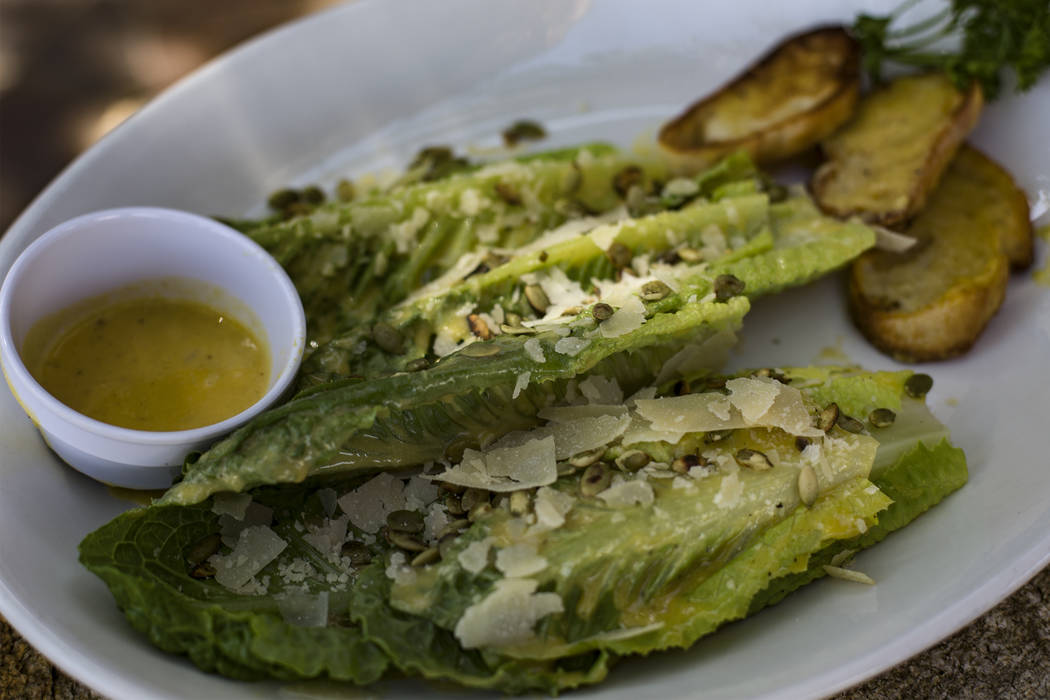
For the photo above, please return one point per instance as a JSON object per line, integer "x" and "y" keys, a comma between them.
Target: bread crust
{"x": 932, "y": 302}
{"x": 862, "y": 178}
{"x": 796, "y": 94}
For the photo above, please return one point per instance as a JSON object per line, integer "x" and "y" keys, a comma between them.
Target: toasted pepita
{"x": 654, "y": 291}
{"x": 388, "y": 338}
{"x": 602, "y": 311}
{"x": 727, "y": 287}
{"x": 828, "y": 417}
{"x": 358, "y": 553}
{"x": 752, "y": 459}
{"x": 632, "y": 460}
{"x": 427, "y": 556}
{"x": 480, "y": 350}
{"x": 882, "y": 417}
{"x": 808, "y": 489}
{"x": 478, "y": 326}
{"x": 405, "y": 541}
{"x": 918, "y": 385}
{"x": 537, "y": 298}
{"x": 405, "y": 521}
{"x": 596, "y": 478}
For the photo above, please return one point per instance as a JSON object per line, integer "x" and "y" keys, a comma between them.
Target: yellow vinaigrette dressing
{"x": 149, "y": 363}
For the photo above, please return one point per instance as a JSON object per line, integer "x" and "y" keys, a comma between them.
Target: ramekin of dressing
{"x": 133, "y": 337}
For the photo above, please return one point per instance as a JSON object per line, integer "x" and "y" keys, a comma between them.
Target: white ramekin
{"x": 100, "y": 252}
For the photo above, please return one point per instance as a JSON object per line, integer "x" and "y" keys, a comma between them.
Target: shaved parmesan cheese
{"x": 534, "y": 350}
{"x": 303, "y": 609}
{"x": 231, "y": 504}
{"x": 475, "y": 556}
{"x": 551, "y": 506}
{"x": 572, "y": 346}
{"x": 752, "y": 396}
{"x": 708, "y": 354}
{"x": 604, "y": 236}
{"x": 519, "y": 560}
{"x": 627, "y": 318}
{"x": 404, "y": 233}
{"x": 602, "y": 390}
{"x": 516, "y": 461}
{"x": 729, "y": 491}
{"x": 329, "y": 537}
{"x": 419, "y": 493}
{"x": 628, "y": 493}
{"x": 471, "y": 202}
{"x": 586, "y": 434}
{"x": 369, "y": 504}
{"x": 507, "y": 615}
{"x": 256, "y": 547}
{"x": 754, "y": 402}
{"x": 521, "y": 383}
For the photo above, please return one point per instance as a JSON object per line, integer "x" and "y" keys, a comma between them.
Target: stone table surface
{"x": 1005, "y": 655}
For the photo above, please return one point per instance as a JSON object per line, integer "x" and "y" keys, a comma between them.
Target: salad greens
{"x": 586, "y": 579}
{"x": 510, "y": 462}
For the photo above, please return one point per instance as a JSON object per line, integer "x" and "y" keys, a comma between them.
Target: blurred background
{"x": 71, "y": 70}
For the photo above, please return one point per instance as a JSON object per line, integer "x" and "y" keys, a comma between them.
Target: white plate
{"x": 365, "y": 85}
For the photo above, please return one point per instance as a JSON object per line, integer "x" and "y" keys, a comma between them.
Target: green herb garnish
{"x": 990, "y": 35}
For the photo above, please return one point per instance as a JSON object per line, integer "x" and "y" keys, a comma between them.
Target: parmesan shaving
{"x": 507, "y": 615}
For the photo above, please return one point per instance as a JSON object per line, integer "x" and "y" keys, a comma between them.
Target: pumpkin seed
{"x": 418, "y": 364}
{"x": 427, "y": 556}
{"x": 523, "y": 130}
{"x": 478, "y": 326}
{"x": 716, "y": 435}
{"x": 828, "y": 417}
{"x": 508, "y": 193}
{"x": 727, "y": 287}
{"x": 453, "y": 505}
{"x": 345, "y": 190}
{"x": 358, "y": 553}
{"x": 654, "y": 291}
{"x": 918, "y": 385}
{"x": 454, "y": 527}
{"x": 683, "y": 464}
{"x": 405, "y": 521}
{"x": 773, "y": 374}
{"x": 283, "y": 198}
{"x": 388, "y": 338}
{"x": 602, "y": 311}
{"x": 203, "y": 548}
{"x": 203, "y": 570}
{"x": 596, "y": 478}
{"x": 619, "y": 254}
{"x": 690, "y": 255}
{"x": 627, "y": 178}
{"x": 479, "y": 511}
{"x": 519, "y": 502}
{"x": 632, "y": 460}
{"x": 537, "y": 298}
{"x": 752, "y": 459}
{"x": 849, "y": 424}
{"x": 586, "y": 459}
{"x": 882, "y": 417}
{"x": 480, "y": 350}
{"x": 313, "y": 194}
{"x": 516, "y": 330}
{"x": 405, "y": 541}
{"x": 808, "y": 489}
{"x": 472, "y": 497}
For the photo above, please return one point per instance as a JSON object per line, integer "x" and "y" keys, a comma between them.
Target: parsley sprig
{"x": 992, "y": 35}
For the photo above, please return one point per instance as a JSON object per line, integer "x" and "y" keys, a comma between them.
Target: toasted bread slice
{"x": 884, "y": 163}
{"x": 933, "y": 301}
{"x": 794, "y": 96}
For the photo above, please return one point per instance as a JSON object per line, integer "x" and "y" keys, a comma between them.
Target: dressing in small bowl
{"x": 132, "y": 337}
